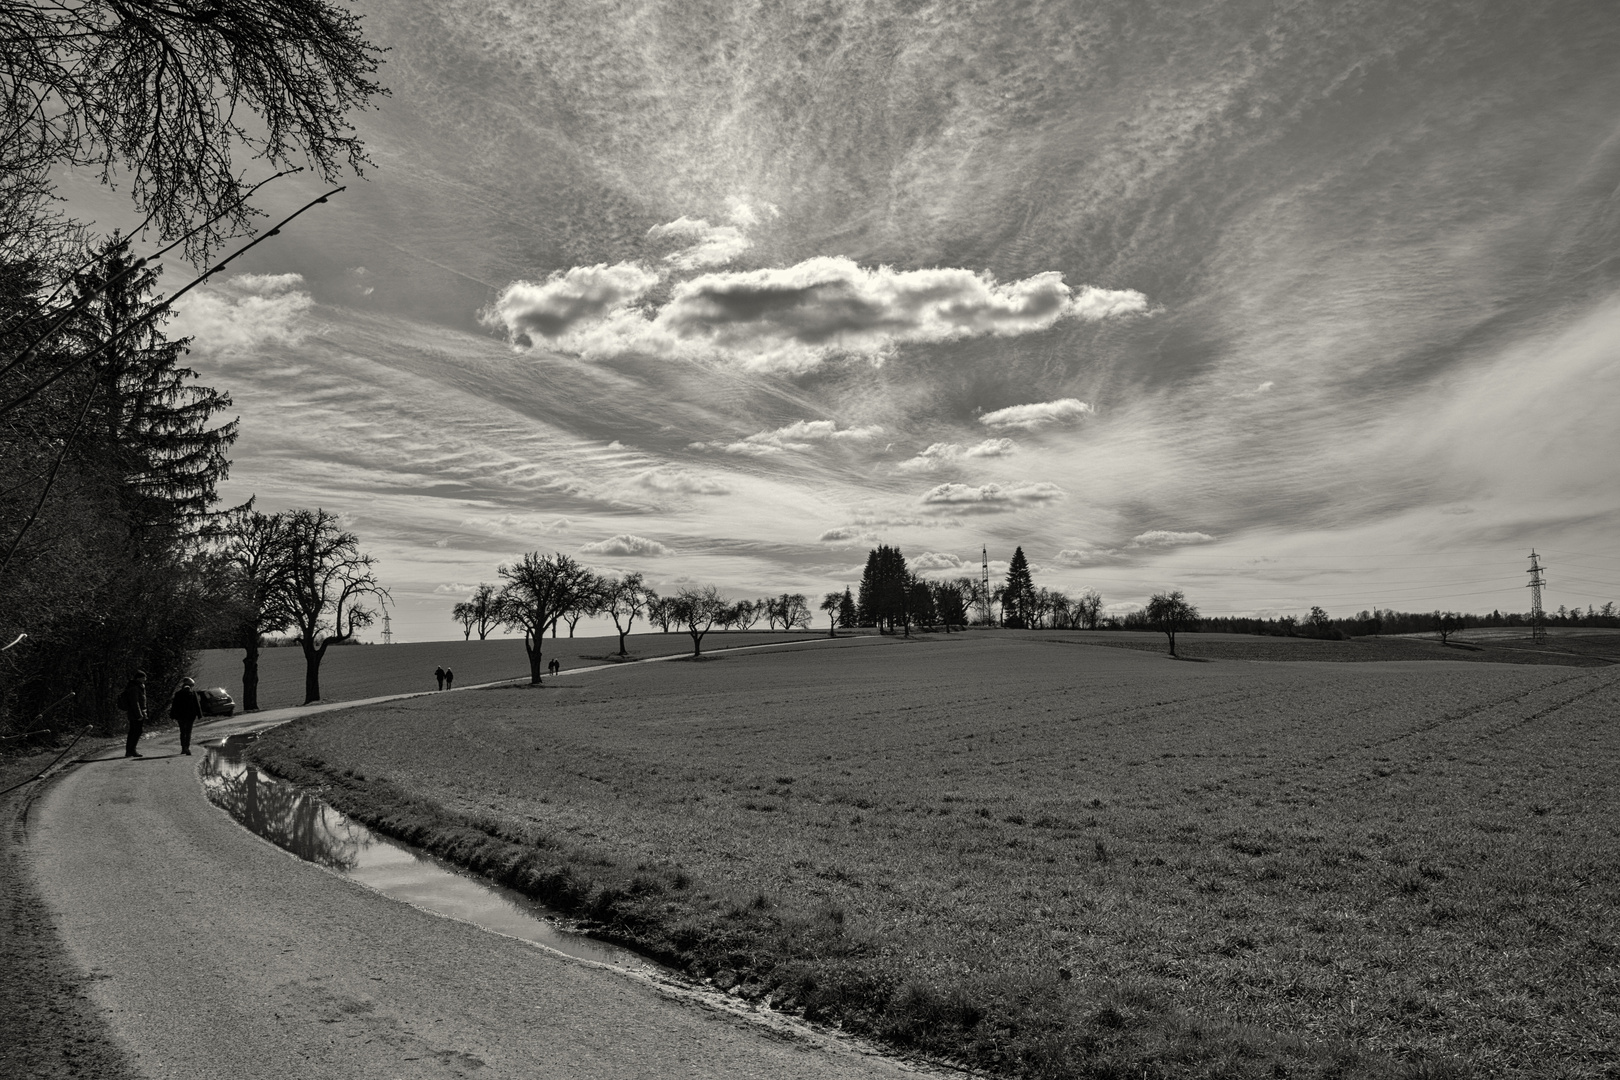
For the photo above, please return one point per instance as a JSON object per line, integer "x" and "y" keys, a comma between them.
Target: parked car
{"x": 216, "y": 702}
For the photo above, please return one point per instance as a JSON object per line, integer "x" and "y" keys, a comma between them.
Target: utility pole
{"x": 984, "y": 585}
{"x": 1538, "y": 632}
{"x": 388, "y": 628}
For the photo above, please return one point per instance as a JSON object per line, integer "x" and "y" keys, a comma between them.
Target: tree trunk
{"x": 622, "y": 634}
{"x": 1171, "y": 634}
{"x": 250, "y": 675}
{"x": 531, "y": 645}
{"x": 697, "y": 642}
{"x": 312, "y": 668}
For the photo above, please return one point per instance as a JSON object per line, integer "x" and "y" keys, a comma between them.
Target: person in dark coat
{"x": 438, "y": 673}
{"x": 133, "y": 702}
{"x": 185, "y": 708}
{"x": 449, "y": 679}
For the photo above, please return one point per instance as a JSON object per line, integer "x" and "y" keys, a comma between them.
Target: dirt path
{"x": 212, "y": 953}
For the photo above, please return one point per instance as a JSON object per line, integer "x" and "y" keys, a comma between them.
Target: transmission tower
{"x": 984, "y": 585}
{"x": 1538, "y": 632}
{"x": 388, "y": 628}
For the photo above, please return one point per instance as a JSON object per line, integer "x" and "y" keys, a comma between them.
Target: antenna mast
{"x": 1538, "y": 632}
{"x": 388, "y": 628}
{"x": 984, "y": 585}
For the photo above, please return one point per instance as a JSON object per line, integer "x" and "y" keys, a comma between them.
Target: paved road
{"x": 216, "y": 954}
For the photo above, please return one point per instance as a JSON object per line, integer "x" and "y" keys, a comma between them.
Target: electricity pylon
{"x": 1538, "y": 632}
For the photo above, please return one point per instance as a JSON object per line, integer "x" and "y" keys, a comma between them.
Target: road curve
{"x": 215, "y": 954}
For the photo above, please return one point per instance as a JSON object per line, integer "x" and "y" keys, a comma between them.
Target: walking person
{"x": 133, "y": 701}
{"x": 449, "y": 679}
{"x": 438, "y": 673}
{"x": 185, "y": 708}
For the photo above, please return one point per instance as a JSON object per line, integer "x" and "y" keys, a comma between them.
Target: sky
{"x": 1281, "y": 304}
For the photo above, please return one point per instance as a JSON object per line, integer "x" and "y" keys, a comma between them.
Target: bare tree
{"x": 328, "y": 576}
{"x": 485, "y": 608}
{"x": 1170, "y": 612}
{"x": 257, "y": 554}
{"x": 830, "y": 604}
{"x": 789, "y": 609}
{"x": 1089, "y": 608}
{"x": 745, "y": 613}
{"x": 160, "y": 94}
{"x": 625, "y": 600}
{"x": 539, "y": 588}
{"x": 697, "y": 610}
{"x": 463, "y": 613}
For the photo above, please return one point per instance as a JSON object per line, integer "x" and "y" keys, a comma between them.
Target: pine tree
{"x": 883, "y": 594}
{"x": 847, "y": 616}
{"x": 1018, "y": 594}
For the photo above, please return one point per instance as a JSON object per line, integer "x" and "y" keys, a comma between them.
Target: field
{"x": 362, "y": 671}
{"x": 1050, "y": 858}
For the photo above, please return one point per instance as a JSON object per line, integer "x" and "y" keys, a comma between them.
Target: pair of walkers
{"x": 446, "y": 677}
{"x": 185, "y": 708}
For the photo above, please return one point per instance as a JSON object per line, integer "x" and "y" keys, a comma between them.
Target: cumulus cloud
{"x": 246, "y": 312}
{"x": 557, "y": 307}
{"x": 1037, "y": 414}
{"x": 455, "y": 588}
{"x": 989, "y": 498}
{"x": 1085, "y": 556}
{"x": 936, "y": 561}
{"x": 679, "y": 482}
{"x": 1164, "y": 538}
{"x": 706, "y": 245}
{"x": 799, "y": 436}
{"x": 940, "y": 455}
{"x": 784, "y": 318}
{"x": 626, "y": 544}
{"x": 842, "y": 533}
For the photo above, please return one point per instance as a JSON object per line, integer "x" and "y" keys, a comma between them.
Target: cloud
{"x": 1037, "y": 414}
{"x": 844, "y": 532}
{"x": 245, "y": 313}
{"x": 626, "y": 544}
{"x": 799, "y": 436}
{"x": 935, "y": 561}
{"x": 709, "y": 245}
{"x": 785, "y": 318}
{"x": 554, "y": 309}
{"x": 520, "y": 523}
{"x": 1085, "y": 556}
{"x": 941, "y": 455}
{"x": 678, "y": 481}
{"x": 1163, "y": 538}
{"x": 455, "y": 588}
{"x": 989, "y": 498}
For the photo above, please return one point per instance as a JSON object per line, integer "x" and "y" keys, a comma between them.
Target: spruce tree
{"x": 1017, "y": 594}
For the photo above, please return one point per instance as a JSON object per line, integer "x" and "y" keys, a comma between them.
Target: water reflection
{"x": 299, "y": 822}
{"x": 282, "y": 814}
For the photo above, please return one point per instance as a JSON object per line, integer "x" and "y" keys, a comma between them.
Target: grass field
{"x": 1054, "y": 859}
{"x": 362, "y": 671}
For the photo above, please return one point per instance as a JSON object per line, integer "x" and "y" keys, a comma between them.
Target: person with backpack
{"x": 133, "y": 701}
{"x": 185, "y": 708}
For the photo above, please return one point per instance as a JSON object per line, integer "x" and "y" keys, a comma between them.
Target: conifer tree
{"x": 1018, "y": 594}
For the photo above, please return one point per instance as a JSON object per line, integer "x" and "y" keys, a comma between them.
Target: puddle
{"x": 298, "y": 822}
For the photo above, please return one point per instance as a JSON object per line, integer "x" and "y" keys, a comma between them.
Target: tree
{"x": 659, "y": 610}
{"x": 951, "y": 604}
{"x": 588, "y": 602}
{"x": 1018, "y": 594}
{"x": 328, "y": 575}
{"x": 745, "y": 613}
{"x": 830, "y": 604}
{"x": 919, "y": 604}
{"x": 538, "y": 589}
{"x": 789, "y": 609}
{"x": 1088, "y": 609}
{"x": 625, "y": 600}
{"x": 847, "y": 618}
{"x": 698, "y": 610}
{"x": 485, "y": 609}
{"x": 1169, "y": 613}
{"x": 884, "y": 583}
{"x": 462, "y": 613}
{"x": 159, "y": 95}
{"x": 257, "y": 550}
